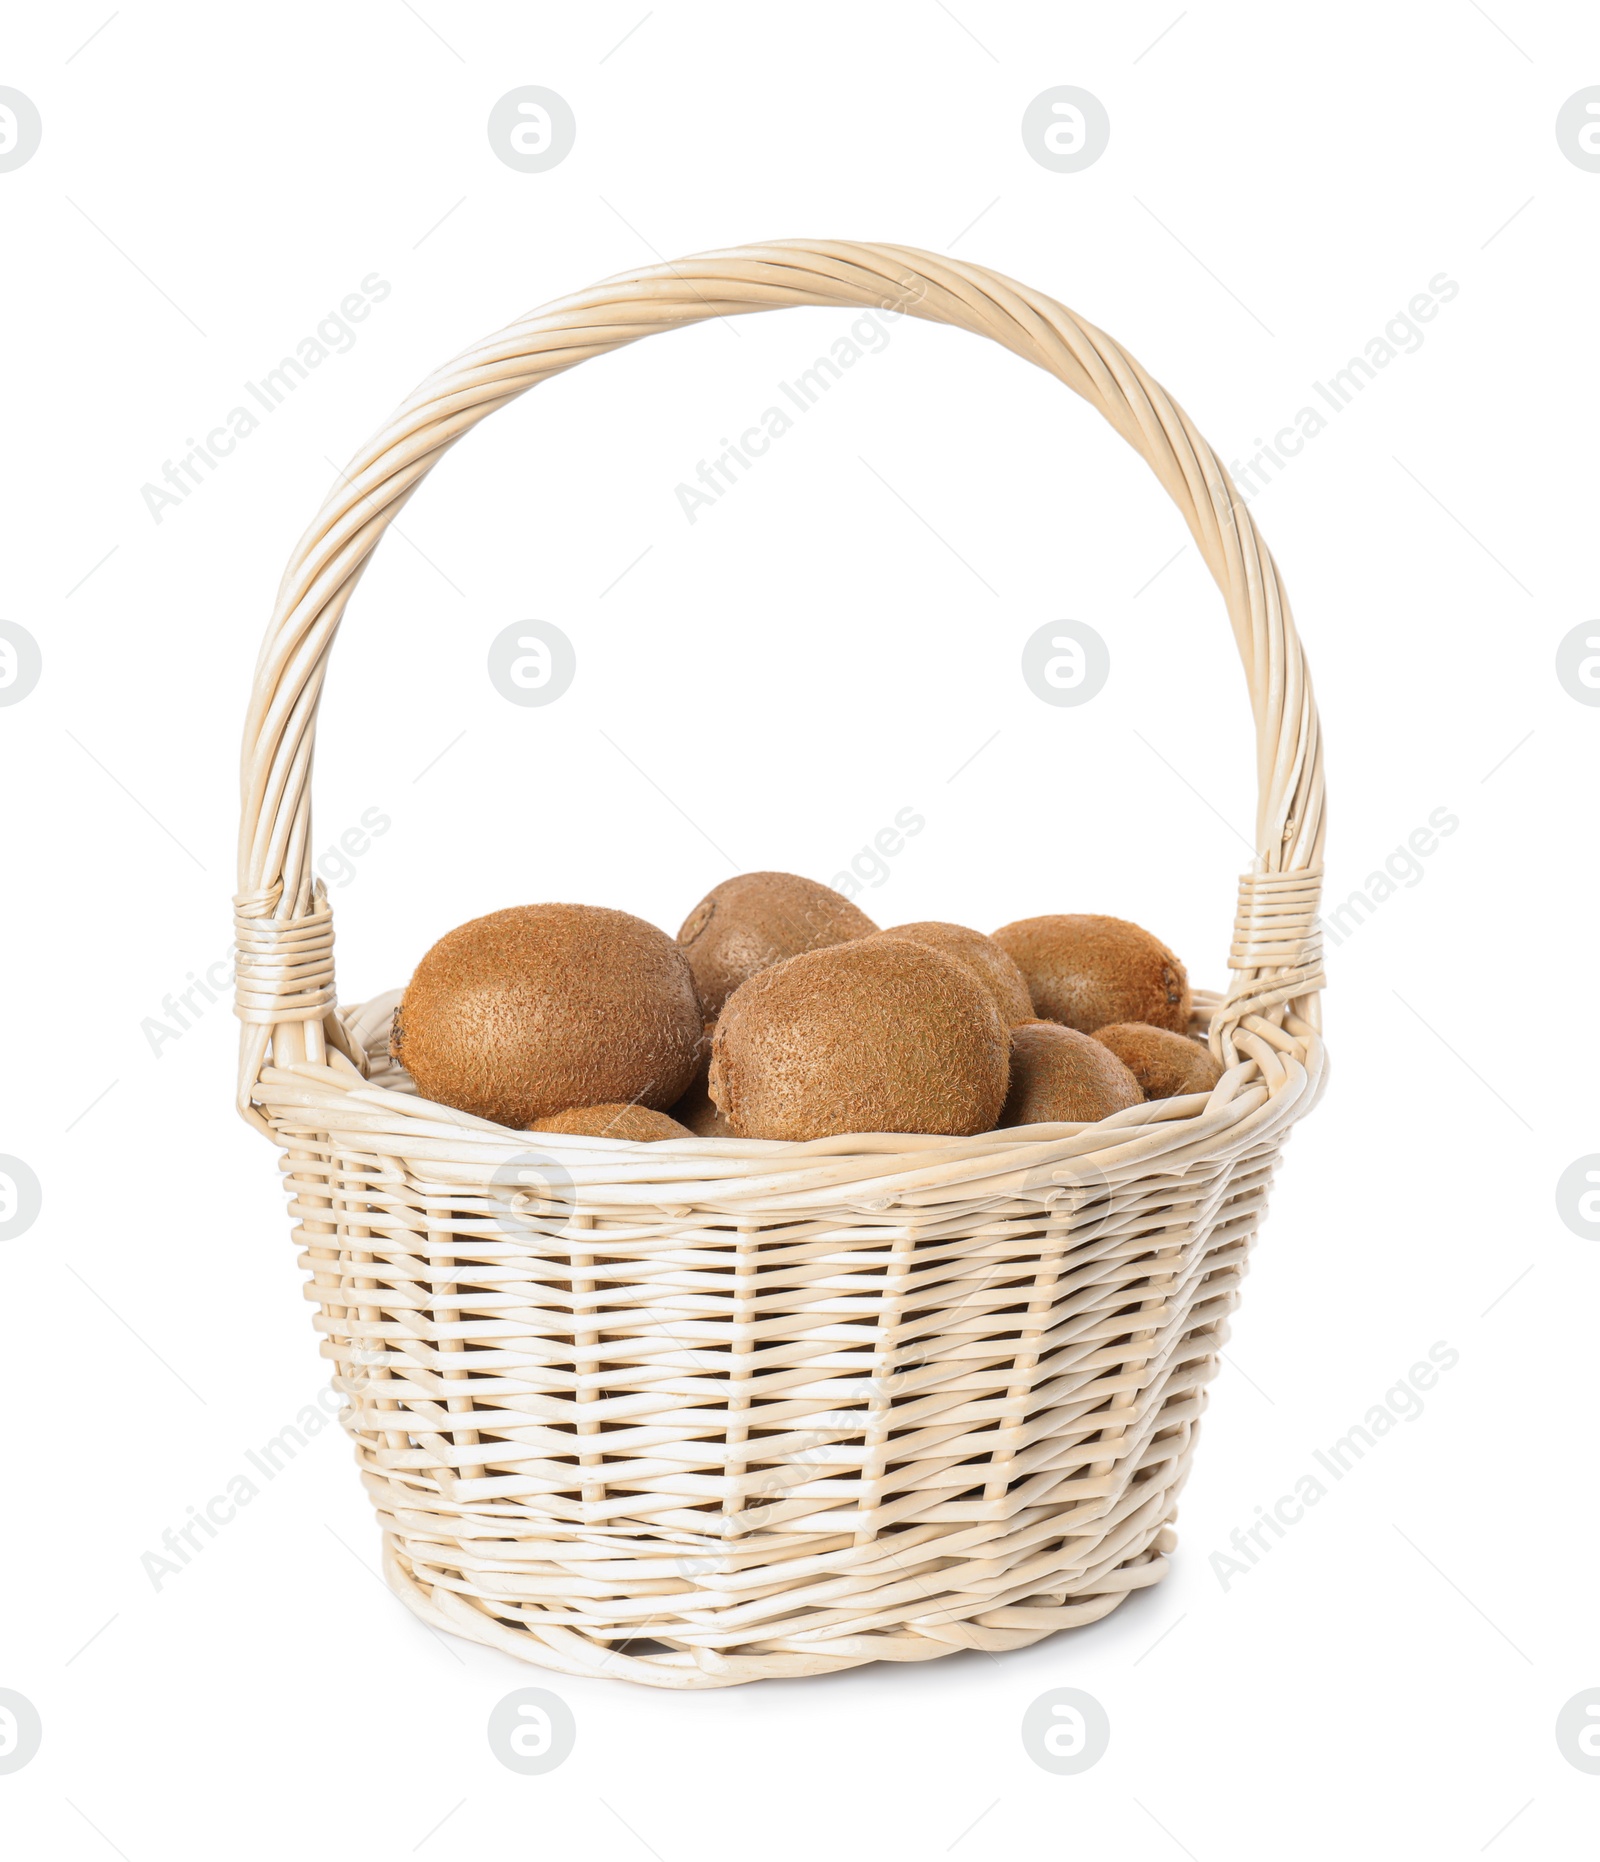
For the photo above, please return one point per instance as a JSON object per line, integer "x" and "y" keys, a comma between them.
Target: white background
{"x": 791, "y": 670}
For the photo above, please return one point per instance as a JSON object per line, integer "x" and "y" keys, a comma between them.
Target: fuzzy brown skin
{"x": 1166, "y": 1065}
{"x": 749, "y": 923}
{"x": 636, "y": 1124}
{"x": 702, "y": 1065}
{"x": 1088, "y": 972}
{"x": 877, "y": 1035}
{"x": 1060, "y": 1076}
{"x": 543, "y": 1007}
{"x": 982, "y": 956}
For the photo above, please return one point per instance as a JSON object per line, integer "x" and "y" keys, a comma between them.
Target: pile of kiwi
{"x": 780, "y": 1010}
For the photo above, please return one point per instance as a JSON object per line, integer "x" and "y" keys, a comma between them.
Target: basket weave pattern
{"x": 712, "y": 1410}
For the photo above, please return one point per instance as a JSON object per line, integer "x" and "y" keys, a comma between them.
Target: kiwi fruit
{"x": 636, "y": 1124}
{"x": 1060, "y": 1075}
{"x": 1166, "y": 1065}
{"x": 749, "y": 923}
{"x": 877, "y": 1035}
{"x": 540, "y": 1008}
{"x": 1087, "y": 972}
{"x": 982, "y": 956}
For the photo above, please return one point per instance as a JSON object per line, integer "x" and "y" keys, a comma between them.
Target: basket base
{"x": 568, "y": 1651}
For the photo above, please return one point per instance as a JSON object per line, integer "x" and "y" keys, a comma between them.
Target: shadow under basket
{"x": 716, "y": 1410}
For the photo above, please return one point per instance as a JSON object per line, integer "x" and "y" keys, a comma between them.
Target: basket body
{"x": 708, "y": 1429}
{"x": 713, "y": 1410}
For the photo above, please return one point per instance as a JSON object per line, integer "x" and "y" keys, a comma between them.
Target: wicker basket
{"x": 714, "y": 1410}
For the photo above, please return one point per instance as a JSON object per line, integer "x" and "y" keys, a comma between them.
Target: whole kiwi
{"x": 636, "y": 1124}
{"x": 746, "y": 924}
{"x": 879, "y": 1035}
{"x": 540, "y": 1008}
{"x": 1166, "y": 1065}
{"x": 1087, "y": 972}
{"x": 1061, "y": 1075}
{"x": 982, "y": 956}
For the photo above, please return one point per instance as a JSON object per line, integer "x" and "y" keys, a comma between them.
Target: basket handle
{"x": 285, "y": 987}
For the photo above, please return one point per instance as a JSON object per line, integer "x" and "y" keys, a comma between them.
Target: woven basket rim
{"x": 444, "y": 1152}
